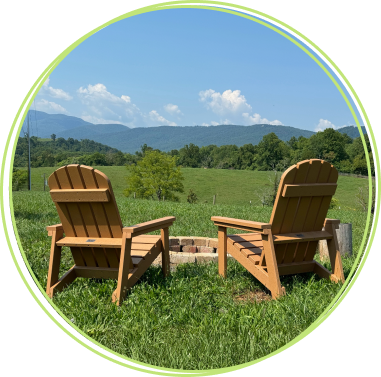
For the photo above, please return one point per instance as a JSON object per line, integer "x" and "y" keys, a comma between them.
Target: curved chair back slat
{"x": 86, "y": 206}
{"x": 304, "y": 195}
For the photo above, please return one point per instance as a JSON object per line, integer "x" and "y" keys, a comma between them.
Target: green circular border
{"x": 212, "y": 5}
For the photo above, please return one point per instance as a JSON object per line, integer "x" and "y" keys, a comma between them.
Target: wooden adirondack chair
{"x": 287, "y": 244}
{"x": 100, "y": 246}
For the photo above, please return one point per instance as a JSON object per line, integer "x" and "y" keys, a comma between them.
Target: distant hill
{"x": 89, "y": 131}
{"x": 164, "y": 138}
{"x": 48, "y": 124}
{"x": 167, "y": 138}
{"x": 352, "y": 131}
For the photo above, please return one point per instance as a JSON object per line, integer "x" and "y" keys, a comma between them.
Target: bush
{"x": 19, "y": 179}
{"x": 192, "y": 197}
{"x": 334, "y": 204}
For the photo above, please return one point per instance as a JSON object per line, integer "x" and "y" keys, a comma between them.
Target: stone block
{"x": 176, "y": 248}
{"x": 206, "y": 257}
{"x": 190, "y": 249}
{"x": 183, "y": 258}
{"x": 205, "y": 249}
{"x": 212, "y": 242}
{"x": 186, "y": 241}
{"x": 174, "y": 241}
{"x": 200, "y": 241}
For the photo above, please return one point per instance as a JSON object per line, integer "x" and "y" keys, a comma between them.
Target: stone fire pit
{"x": 191, "y": 250}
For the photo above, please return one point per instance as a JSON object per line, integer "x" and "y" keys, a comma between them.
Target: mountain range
{"x": 164, "y": 138}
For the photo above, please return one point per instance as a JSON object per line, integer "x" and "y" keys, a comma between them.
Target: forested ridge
{"x": 271, "y": 153}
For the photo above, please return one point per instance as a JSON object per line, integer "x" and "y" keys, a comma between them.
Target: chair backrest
{"x": 86, "y": 206}
{"x": 304, "y": 195}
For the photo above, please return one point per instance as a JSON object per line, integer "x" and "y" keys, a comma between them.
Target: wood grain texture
{"x": 91, "y": 222}
{"x": 288, "y": 243}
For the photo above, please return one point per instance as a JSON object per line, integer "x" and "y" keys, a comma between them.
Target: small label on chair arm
{"x": 90, "y": 240}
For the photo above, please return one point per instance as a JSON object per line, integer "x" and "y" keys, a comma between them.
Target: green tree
{"x": 53, "y": 137}
{"x": 270, "y": 152}
{"x": 189, "y": 156}
{"x": 19, "y": 179}
{"x": 330, "y": 145}
{"x": 155, "y": 176}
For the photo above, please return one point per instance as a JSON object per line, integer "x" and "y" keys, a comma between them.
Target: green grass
{"x": 237, "y": 187}
{"x": 191, "y": 320}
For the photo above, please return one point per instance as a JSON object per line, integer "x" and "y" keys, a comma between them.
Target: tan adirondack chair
{"x": 100, "y": 246}
{"x": 287, "y": 244}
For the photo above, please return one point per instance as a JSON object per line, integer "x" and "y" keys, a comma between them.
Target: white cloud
{"x": 172, "y": 109}
{"x": 44, "y": 105}
{"x": 323, "y": 124}
{"x": 227, "y": 102}
{"x": 99, "y": 92}
{"x": 157, "y": 118}
{"x": 257, "y": 119}
{"x": 233, "y": 104}
{"x": 102, "y": 106}
{"x": 213, "y": 123}
{"x": 55, "y": 93}
{"x": 96, "y": 120}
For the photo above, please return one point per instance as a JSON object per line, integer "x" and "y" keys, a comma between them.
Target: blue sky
{"x": 185, "y": 67}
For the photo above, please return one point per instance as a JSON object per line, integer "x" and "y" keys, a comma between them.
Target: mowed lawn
{"x": 233, "y": 187}
{"x": 194, "y": 319}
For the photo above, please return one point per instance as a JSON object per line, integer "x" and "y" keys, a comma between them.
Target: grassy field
{"x": 194, "y": 319}
{"x": 237, "y": 187}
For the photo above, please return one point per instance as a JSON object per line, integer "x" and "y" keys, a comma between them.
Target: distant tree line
{"x": 346, "y": 154}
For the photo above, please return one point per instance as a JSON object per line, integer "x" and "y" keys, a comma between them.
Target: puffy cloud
{"x": 172, "y": 109}
{"x": 233, "y": 104}
{"x": 99, "y": 92}
{"x": 157, "y": 118}
{"x": 323, "y": 124}
{"x": 227, "y": 102}
{"x": 102, "y": 106}
{"x": 53, "y": 92}
{"x": 96, "y": 120}
{"x": 44, "y": 105}
{"x": 257, "y": 119}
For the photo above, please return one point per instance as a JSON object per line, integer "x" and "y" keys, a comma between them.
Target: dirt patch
{"x": 252, "y": 296}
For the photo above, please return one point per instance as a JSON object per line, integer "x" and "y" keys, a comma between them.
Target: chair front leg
{"x": 334, "y": 252}
{"x": 272, "y": 266}
{"x": 222, "y": 251}
{"x": 55, "y": 259}
{"x": 165, "y": 251}
{"x": 124, "y": 269}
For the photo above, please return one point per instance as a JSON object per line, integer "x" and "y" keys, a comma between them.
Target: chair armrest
{"x": 149, "y": 226}
{"x": 333, "y": 222}
{"x": 251, "y": 226}
{"x": 54, "y": 228}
